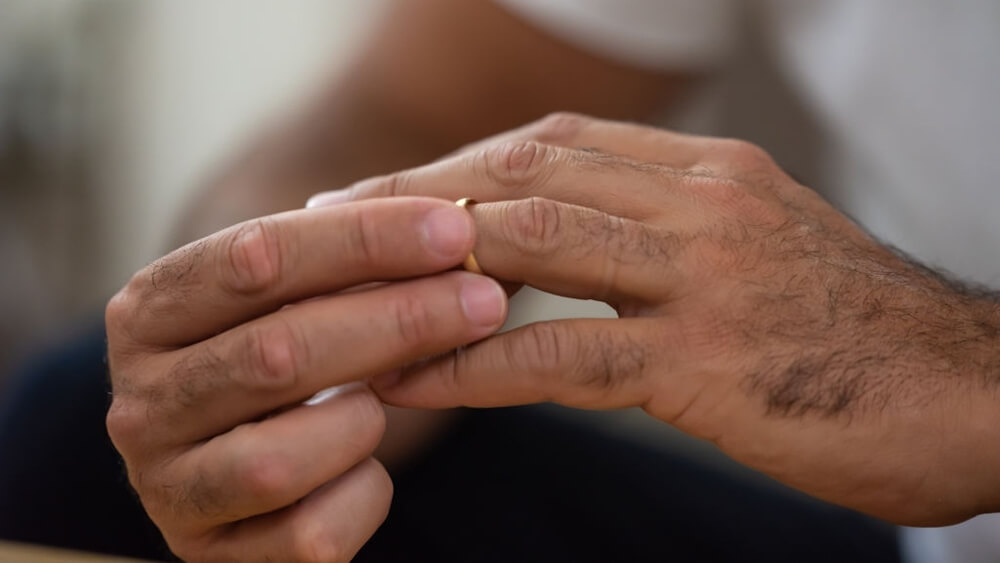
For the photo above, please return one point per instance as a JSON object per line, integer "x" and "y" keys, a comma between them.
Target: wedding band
{"x": 470, "y": 263}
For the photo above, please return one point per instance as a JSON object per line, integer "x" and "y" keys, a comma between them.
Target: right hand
{"x": 210, "y": 368}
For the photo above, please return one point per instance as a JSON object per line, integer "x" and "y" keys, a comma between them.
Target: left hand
{"x": 753, "y": 314}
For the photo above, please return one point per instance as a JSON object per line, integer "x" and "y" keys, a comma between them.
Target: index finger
{"x": 257, "y": 267}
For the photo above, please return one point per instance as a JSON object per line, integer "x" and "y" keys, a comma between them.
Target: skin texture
{"x": 213, "y": 349}
{"x": 201, "y": 344}
{"x": 434, "y": 75}
{"x": 753, "y": 315}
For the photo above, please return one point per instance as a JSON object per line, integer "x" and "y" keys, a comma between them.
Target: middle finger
{"x": 521, "y": 169}
{"x": 288, "y": 356}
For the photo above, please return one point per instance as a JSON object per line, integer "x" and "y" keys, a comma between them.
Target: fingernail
{"x": 324, "y": 199}
{"x": 483, "y": 301}
{"x": 447, "y": 230}
{"x": 331, "y": 392}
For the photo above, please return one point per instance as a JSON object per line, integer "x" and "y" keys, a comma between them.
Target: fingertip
{"x": 483, "y": 301}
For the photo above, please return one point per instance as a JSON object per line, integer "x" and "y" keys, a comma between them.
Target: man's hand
{"x": 753, "y": 315}
{"x": 214, "y": 348}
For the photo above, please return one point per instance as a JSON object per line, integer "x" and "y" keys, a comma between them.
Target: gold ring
{"x": 470, "y": 263}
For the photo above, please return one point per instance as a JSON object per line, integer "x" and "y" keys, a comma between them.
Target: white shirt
{"x": 897, "y": 98}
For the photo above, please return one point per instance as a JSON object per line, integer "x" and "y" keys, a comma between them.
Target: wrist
{"x": 957, "y": 421}
{"x": 984, "y": 414}
{"x": 987, "y": 319}
{"x": 993, "y": 380}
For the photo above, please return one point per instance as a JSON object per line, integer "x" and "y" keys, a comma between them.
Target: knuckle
{"x": 546, "y": 349}
{"x": 126, "y": 311}
{"x": 275, "y": 355}
{"x": 532, "y": 224}
{"x": 605, "y": 365}
{"x": 188, "y": 382}
{"x": 395, "y": 184}
{"x": 451, "y": 370}
{"x": 263, "y": 476}
{"x": 312, "y": 542}
{"x": 159, "y": 286}
{"x": 171, "y": 276}
{"x": 560, "y": 127}
{"x": 368, "y": 417}
{"x": 364, "y": 241}
{"x": 518, "y": 164}
{"x": 253, "y": 256}
{"x": 725, "y": 192}
{"x": 744, "y": 154}
{"x": 119, "y": 315}
{"x": 117, "y": 309}
{"x": 123, "y": 426}
{"x": 369, "y": 409}
{"x": 412, "y": 320}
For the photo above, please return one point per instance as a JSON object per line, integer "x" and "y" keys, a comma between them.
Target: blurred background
{"x": 112, "y": 112}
